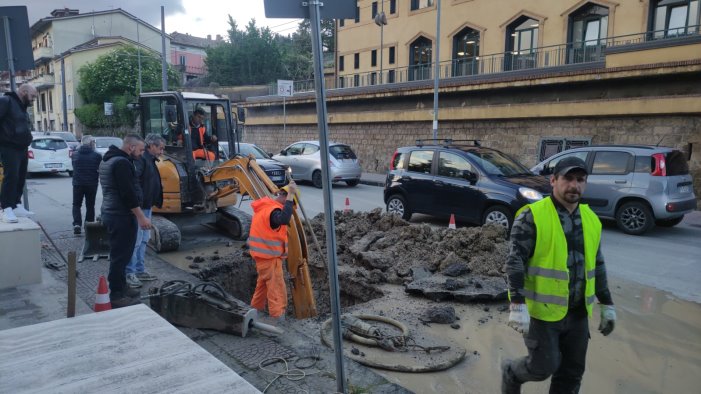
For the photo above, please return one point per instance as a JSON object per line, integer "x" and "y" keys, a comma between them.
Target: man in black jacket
{"x": 86, "y": 163}
{"x": 151, "y": 191}
{"x": 15, "y": 137}
{"x": 121, "y": 211}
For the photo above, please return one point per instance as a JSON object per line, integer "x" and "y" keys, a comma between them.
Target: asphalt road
{"x": 667, "y": 259}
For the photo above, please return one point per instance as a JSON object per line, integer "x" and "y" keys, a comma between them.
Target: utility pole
{"x": 63, "y": 93}
{"x": 138, "y": 52}
{"x": 164, "y": 61}
{"x": 438, "y": 70}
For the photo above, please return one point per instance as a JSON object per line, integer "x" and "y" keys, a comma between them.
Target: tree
{"x": 114, "y": 77}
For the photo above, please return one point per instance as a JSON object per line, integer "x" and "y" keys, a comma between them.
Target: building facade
{"x": 75, "y": 39}
{"x": 188, "y": 53}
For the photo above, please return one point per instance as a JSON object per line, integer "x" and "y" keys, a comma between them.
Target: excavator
{"x": 205, "y": 191}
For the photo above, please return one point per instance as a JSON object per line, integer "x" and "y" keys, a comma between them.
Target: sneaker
{"x": 124, "y": 301}
{"x": 76, "y": 229}
{"x": 509, "y": 385}
{"x": 145, "y": 276}
{"x": 8, "y": 216}
{"x": 133, "y": 281}
{"x": 21, "y": 212}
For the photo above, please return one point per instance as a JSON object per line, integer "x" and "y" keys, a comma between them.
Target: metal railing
{"x": 539, "y": 58}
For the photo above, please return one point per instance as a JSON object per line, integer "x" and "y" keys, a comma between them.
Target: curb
{"x": 371, "y": 182}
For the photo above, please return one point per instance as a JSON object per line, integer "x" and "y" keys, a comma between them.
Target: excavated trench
{"x": 376, "y": 249}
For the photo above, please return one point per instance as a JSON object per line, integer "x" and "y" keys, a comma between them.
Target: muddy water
{"x": 655, "y": 348}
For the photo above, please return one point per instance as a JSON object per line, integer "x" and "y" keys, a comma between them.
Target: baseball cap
{"x": 568, "y": 164}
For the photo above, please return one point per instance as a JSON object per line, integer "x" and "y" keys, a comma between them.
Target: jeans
{"x": 89, "y": 193}
{"x": 555, "y": 348}
{"x": 136, "y": 264}
{"x": 122, "y": 230}
{"x": 14, "y": 163}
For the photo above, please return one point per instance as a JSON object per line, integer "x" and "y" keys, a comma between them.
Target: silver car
{"x": 102, "y": 144}
{"x": 639, "y": 186}
{"x": 304, "y": 158}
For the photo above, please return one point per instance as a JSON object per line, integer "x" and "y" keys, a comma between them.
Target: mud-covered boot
{"x": 509, "y": 384}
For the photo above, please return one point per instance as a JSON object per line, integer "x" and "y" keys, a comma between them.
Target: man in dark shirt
{"x": 555, "y": 270}
{"x": 121, "y": 212}
{"x": 85, "y": 181}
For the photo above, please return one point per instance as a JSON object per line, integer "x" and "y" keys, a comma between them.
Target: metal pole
{"x": 382, "y": 38}
{"x": 10, "y": 55}
{"x": 438, "y": 70}
{"x": 63, "y": 94}
{"x": 328, "y": 202}
{"x": 138, "y": 53}
{"x": 164, "y": 61}
{"x": 284, "y": 118}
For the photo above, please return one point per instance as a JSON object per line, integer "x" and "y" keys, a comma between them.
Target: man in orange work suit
{"x": 202, "y": 143}
{"x": 267, "y": 244}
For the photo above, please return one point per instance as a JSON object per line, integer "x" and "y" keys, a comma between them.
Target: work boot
{"x": 21, "y": 212}
{"x": 76, "y": 229}
{"x": 124, "y": 301}
{"x": 145, "y": 276}
{"x": 133, "y": 281}
{"x": 8, "y": 216}
{"x": 509, "y": 384}
{"x": 133, "y": 293}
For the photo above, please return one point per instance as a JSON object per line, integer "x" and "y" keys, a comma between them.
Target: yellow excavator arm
{"x": 243, "y": 175}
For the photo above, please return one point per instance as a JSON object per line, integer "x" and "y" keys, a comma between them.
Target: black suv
{"x": 443, "y": 177}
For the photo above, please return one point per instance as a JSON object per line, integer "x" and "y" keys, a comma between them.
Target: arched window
{"x": 522, "y": 44}
{"x": 673, "y": 18}
{"x": 588, "y": 28}
{"x": 466, "y": 48}
{"x": 420, "y": 55}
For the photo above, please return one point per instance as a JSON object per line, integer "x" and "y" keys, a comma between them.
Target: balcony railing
{"x": 574, "y": 53}
{"x": 43, "y": 81}
{"x": 43, "y": 53}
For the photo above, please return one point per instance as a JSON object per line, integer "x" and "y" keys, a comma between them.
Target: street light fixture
{"x": 381, "y": 20}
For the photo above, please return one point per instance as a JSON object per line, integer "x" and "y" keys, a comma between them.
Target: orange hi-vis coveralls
{"x": 200, "y": 153}
{"x": 268, "y": 247}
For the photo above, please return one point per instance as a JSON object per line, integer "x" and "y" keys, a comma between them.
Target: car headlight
{"x": 530, "y": 194}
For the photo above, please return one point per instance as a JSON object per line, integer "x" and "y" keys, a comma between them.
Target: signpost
{"x": 314, "y": 10}
{"x": 285, "y": 88}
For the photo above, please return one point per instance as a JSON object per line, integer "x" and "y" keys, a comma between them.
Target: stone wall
{"x": 375, "y": 143}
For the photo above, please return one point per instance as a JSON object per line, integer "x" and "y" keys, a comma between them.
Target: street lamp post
{"x": 438, "y": 70}
{"x": 381, "y": 20}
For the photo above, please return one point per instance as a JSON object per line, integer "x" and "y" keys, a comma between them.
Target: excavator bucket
{"x": 97, "y": 241}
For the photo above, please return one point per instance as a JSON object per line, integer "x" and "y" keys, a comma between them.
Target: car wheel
{"x": 397, "y": 205}
{"x": 497, "y": 214}
{"x": 316, "y": 179}
{"x": 669, "y": 222}
{"x": 353, "y": 182}
{"x": 634, "y": 218}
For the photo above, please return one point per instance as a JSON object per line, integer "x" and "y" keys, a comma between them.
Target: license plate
{"x": 277, "y": 178}
{"x": 684, "y": 189}
{"x": 53, "y": 165}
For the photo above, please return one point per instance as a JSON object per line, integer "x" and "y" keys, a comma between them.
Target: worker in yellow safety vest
{"x": 203, "y": 144}
{"x": 556, "y": 270}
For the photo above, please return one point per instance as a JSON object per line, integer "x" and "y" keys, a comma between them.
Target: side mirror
{"x": 171, "y": 113}
{"x": 470, "y": 176}
{"x": 283, "y": 153}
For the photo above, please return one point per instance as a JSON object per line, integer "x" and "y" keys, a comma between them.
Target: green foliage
{"x": 114, "y": 78}
{"x": 257, "y": 55}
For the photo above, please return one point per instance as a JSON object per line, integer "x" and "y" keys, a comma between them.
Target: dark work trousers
{"x": 14, "y": 167}
{"x": 89, "y": 193}
{"x": 558, "y": 349}
{"x": 122, "y": 230}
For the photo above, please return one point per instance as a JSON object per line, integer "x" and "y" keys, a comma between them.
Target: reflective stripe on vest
{"x": 263, "y": 241}
{"x": 546, "y": 282}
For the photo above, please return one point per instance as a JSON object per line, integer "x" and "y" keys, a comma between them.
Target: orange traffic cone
{"x": 451, "y": 224}
{"x": 347, "y": 207}
{"x": 102, "y": 298}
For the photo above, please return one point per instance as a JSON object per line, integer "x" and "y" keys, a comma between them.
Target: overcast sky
{"x": 197, "y": 17}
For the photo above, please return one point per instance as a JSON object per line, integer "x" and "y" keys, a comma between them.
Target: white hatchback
{"x": 49, "y": 153}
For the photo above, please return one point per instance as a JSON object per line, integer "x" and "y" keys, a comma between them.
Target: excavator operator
{"x": 267, "y": 244}
{"x": 202, "y": 143}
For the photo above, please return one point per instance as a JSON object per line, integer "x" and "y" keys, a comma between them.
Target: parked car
{"x": 67, "y": 136}
{"x": 275, "y": 170}
{"x": 637, "y": 185}
{"x": 304, "y": 158}
{"x": 102, "y": 144}
{"x": 49, "y": 153}
{"x": 476, "y": 184}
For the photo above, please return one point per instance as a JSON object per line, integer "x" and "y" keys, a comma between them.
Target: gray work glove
{"x": 608, "y": 319}
{"x": 519, "y": 319}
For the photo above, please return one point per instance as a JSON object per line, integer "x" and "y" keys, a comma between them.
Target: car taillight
{"x": 391, "y": 162}
{"x": 30, "y": 154}
{"x": 70, "y": 153}
{"x": 660, "y": 165}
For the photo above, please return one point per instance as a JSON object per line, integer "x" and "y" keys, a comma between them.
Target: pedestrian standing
{"x": 267, "y": 244}
{"x": 151, "y": 191}
{"x": 121, "y": 211}
{"x": 15, "y": 138}
{"x": 86, "y": 162}
{"x": 556, "y": 270}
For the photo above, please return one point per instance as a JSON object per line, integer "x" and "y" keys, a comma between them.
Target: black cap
{"x": 568, "y": 164}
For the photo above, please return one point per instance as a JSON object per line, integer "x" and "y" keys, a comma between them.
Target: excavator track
{"x": 165, "y": 235}
{"x": 235, "y": 222}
